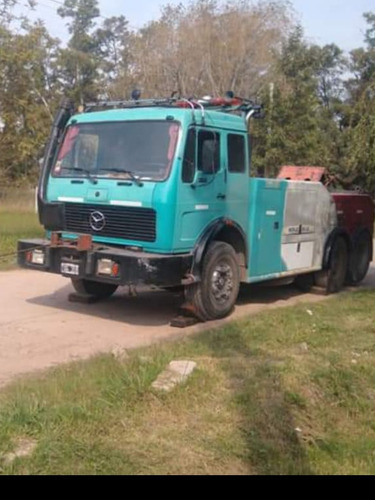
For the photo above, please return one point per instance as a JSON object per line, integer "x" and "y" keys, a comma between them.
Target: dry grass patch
{"x": 17, "y": 220}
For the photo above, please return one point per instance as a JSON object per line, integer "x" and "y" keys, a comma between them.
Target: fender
{"x": 212, "y": 230}
{"x": 338, "y": 231}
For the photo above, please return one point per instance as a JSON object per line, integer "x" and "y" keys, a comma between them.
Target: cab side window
{"x": 236, "y": 153}
{"x": 208, "y": 152}
{"x": 188, "y": 163}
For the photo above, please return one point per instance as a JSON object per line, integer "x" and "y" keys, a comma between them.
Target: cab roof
{"x": 186, "y": 117}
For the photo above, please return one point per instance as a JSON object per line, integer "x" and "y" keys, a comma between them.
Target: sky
{"x": 324, "y": 21}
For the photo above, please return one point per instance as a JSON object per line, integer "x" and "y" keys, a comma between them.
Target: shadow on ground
{"x": 147, "y": 308}
{"x": 154, "y": 307}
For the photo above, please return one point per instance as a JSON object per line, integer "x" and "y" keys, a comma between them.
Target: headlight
{"x": 37, "y": 257}
{"x": 108, "y": 267}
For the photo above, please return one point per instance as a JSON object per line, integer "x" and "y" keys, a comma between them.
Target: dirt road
{"x": 40, "y": 328}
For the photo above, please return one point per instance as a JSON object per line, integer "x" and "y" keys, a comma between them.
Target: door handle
{"x": 221, "y": 196}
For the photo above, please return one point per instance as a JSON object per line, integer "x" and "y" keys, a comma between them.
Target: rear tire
{"x": 360, "y": 259}
{"x": 333, "y": 278}
{"x": 215, "y": 295}
{"x": 87, "y": 287}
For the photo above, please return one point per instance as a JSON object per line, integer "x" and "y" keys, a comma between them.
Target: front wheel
{"x": 215, "y": 295}
{"x": 88, "y": 287}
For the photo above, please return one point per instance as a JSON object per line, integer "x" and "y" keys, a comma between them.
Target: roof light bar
{"x": 225, "y": 104}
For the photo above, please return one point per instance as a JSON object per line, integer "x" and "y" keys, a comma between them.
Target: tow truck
{"x": 162, "y": 192}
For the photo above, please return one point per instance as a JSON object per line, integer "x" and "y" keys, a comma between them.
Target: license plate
{"x": 71, "y": 269}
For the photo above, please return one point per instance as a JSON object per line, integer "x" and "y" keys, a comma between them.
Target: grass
{"x": 17, "y": 220}
{"x": 282, "y": 392}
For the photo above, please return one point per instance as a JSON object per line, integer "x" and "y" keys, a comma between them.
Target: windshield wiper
{"x": 121, "y": 171}
{"x": 88, "y": 175}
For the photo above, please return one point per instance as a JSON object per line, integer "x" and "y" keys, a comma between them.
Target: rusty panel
{"x": 354, "y": 211}
{"x": 293, "y": 173}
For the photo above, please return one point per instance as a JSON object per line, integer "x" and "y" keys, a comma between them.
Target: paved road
{"x": 40, "y": 328}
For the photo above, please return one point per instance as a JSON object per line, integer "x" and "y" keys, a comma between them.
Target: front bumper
{"x": 134, "y": 267}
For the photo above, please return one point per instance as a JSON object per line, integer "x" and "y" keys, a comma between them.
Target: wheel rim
{"x": 222, "y": 283}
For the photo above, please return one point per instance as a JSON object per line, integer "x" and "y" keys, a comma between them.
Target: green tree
{"x": 27, "y": 97}
{"x": 113, "y": 47}
{"x": 79, "y": 62}
{"x": 370, "y": 32}
{"x": 291, "y": 132}
{"x": 361, "y": 98}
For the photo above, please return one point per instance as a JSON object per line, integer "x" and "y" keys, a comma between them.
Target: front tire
{"x": 215, "y": 295}
{"x": 88, "y": 287}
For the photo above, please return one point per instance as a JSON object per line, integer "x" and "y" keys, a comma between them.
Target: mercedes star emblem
{"x": 97, "y": 221}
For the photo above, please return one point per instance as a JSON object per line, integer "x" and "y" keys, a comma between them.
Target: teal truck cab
{"x": 160, "y": 192}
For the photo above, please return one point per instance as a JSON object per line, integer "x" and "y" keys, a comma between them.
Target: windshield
{"x": 136, "y": 150}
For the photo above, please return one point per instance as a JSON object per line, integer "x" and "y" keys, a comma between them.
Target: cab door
{"x": 202, "y": 186}
{"x": 237, "y": 175}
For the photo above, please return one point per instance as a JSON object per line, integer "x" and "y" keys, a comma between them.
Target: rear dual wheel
{"x": 332, "y": 279}
{"x": 360, "y": 259}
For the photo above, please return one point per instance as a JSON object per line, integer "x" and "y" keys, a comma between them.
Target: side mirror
{"x": 259, "y": 112}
